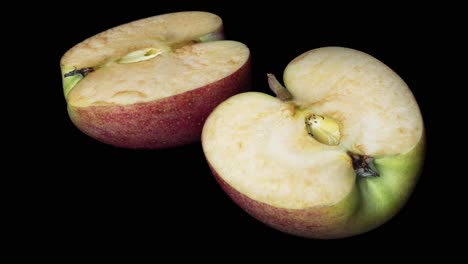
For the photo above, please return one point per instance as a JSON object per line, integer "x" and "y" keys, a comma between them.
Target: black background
{"x": 71, "y": 197}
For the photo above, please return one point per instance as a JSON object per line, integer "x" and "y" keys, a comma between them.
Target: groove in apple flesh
{"x": 260, "y": 150}
{"x": 151, "y": 83}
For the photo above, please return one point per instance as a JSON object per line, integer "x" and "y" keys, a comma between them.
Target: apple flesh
{"x": 152, "y": 83}
{"x": 336, "y": 154}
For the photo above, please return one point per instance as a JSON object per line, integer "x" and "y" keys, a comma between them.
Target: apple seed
{"x": 324, "y": 129}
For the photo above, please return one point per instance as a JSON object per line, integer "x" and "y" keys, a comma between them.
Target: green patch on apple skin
{"x": 380, "y": 198}
{"x": 375, "y": 200}
{"x": 70, "y": 81}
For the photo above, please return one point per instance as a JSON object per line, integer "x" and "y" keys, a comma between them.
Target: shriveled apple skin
{"x": 371, "y": 203}
{"x": 163, "y": 123}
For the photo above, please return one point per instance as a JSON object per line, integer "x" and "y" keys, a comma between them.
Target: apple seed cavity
{"x": 140, "y": 55}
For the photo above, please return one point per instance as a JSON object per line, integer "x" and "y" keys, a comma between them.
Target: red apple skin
{"x": 168, "y": 122}
{"x": 317, "y": 222}
{"x": 362, "y": 210}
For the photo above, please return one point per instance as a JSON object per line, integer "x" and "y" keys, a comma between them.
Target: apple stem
{"x": 281, "y": 92}
{"x": 364, "y": 165}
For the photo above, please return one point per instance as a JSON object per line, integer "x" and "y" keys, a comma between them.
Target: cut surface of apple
{"x": 151, "y": 83}
{"x": 269, "y": 158}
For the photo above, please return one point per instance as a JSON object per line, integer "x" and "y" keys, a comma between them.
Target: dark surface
{"x": 70, "y": 197}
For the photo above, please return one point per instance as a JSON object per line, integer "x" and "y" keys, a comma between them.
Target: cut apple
{"x": 335, "y": 155}
{"x": 151, "y": 83}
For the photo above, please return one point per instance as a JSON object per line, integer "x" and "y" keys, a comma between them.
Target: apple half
{"x": 152, "y": 83}
{"x": 336, "y": 154}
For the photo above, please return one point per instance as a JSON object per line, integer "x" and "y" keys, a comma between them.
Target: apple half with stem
{"x": 152, "y": 83}
{"x": 335, "y": 154}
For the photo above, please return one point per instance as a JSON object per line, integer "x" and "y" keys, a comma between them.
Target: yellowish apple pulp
{"x": 151, "y": 59}
{"x": 259, "y": 145}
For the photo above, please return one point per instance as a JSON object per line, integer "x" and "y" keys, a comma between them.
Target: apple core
{"x": 325, "y": 130}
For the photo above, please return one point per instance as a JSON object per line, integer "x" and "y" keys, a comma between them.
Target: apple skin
{"x": 371, "y": 203}
{"x": 168, "y": 122}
